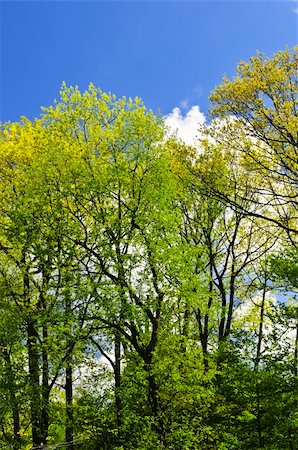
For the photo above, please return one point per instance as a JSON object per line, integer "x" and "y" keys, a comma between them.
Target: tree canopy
{"x": 148, "y": 288}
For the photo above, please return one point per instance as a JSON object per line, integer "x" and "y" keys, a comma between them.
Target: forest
{"x": 148, "y": 287}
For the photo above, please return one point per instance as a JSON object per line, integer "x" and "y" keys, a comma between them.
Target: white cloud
{"x": 184, "y": 104}
{"x": 185, "y": 126}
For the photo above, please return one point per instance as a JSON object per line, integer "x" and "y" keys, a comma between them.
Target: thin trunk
{"x": 231, "y": 303}
{"x": 16, "y": 421}
{"x": 45, "y": 387}
{"x": 185, "y": 329}
{"x": 205, "y": 334}
{"x": 221, "y": 329}
{"x": 13, "y": 401}
{"x": 261, "y": 326}
{"x": 296, "y": 351}
{"x": 45, "y": 393}
{"x": 257, "y": 363}
{"x": 69, "y": 404}
{"x": 203, "y": 337}
{"x": 116, "y": 365}
{"x": 69, "y": 430}
{"x": 259, "y": 426}
{"x": 117, "y": 375}
{"x": 33, "y": 362}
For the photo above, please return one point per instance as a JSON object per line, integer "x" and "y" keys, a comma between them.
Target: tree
{"x": 39, "y": 270}
{"x": 260, "y": 105}
{"x": 122, "y": 245}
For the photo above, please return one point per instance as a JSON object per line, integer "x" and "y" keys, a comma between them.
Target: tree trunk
{"x": 13, "y": 401}
{"x": 152, "y": 386}
{"x": 260, "y": 333}
{"x": 69, "y": 404}
{"x": 33, "y": 362}
{"x": 205, "y": 334}
{"x": 231, "y": 305}
{"x": 117, "y": 375}
{"x": 296, "y": 351}
{"x": 221, "y": 329}
{"x": 69, "y": 429}
{"x": 257, "y": 362}
{"x": 45, "y": 388}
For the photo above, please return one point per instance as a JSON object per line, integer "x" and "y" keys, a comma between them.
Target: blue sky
{"x": 168, "y": 53}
